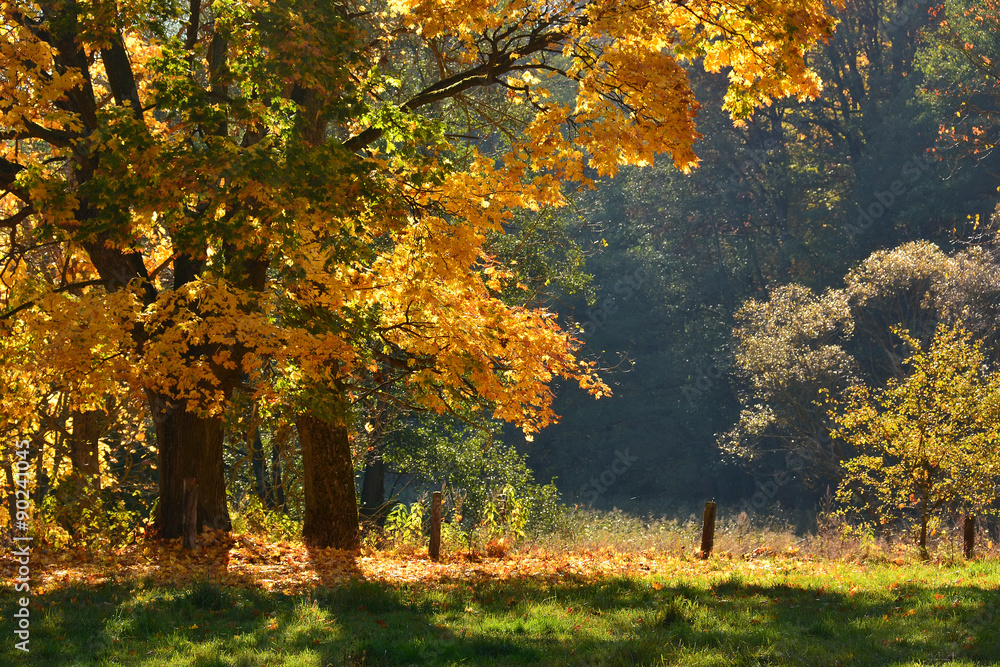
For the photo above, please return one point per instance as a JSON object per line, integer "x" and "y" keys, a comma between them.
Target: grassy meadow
{"x": 249, "y": 603}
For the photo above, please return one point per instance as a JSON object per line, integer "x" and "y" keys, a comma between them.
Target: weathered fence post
{"x": 708, "y": 530}
{"x": 970, "y": 535}
{"x": 190, "y": 512}
{"x": 435, "y": 548}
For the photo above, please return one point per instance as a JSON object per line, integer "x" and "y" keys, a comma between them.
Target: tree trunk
{"x": 923, "y": 536}
{"x": 969, "y": 536}
{"x": 41, "y": 477}
{"x": 373, "y": 487}
{"x": 11, "y": 497}
{"x": 331, "y": 509}
{"x": 189, "y": 446}
{"x": 258, "y": 463}
{"x": 277, "y": 488}
{"x": 79, "y": 495}
{"x": 84, "y": 452}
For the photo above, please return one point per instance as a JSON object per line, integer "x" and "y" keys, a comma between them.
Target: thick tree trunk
{"x": 331, "y": 509}
{"x": 84, "y": 451}
{"x": 189, "y": 446}
{"x": 79, "y": 495}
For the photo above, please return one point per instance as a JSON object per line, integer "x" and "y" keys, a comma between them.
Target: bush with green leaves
{"x": 74, "y": 513}
{"x": 251, "y": 516}
{"x": 406, "y": 523}
{"x": 484, "y": 482}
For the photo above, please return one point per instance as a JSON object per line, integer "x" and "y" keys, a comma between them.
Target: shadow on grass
{"x": 613, "y": 621}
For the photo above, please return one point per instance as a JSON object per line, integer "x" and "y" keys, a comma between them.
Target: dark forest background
{"x": 896, "y": 150}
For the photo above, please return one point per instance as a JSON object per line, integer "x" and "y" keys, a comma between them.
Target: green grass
{"x": 778, "y": 612}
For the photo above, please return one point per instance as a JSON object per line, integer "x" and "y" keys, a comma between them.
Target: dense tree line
{"x": 789, "y": 236}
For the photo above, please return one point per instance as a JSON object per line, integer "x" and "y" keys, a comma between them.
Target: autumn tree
{"x": 962, "y": 71}
{"x": 926, "y": 443}
{"x": 271, "y": 197}
{"x": 789, "y": 351}
{"x": 799, "y": 349}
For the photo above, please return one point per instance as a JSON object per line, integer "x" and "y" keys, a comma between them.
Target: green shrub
{"x": 251, "y": 516}
{"x": 405, "y": 525}
{"x": 485, "y": 483}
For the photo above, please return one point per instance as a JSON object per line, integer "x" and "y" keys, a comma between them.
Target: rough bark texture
{"x": 84, "y": 452}
{"x": 331, "y": 508}
{"x": 190, "y": 446}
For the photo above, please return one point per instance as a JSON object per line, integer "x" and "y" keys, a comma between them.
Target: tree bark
{"x": 969, "y": 536}
{"x": 258, "y": 463}
{"x": 84, "y": 451}
{"x": 80, "y": 494}
{"x": 11, "y": 497}
{"x": 277, "y": 485}
{"x": 189, "y": 446}
{"x": 331, "y": 509}
{"x": 923, "y": 536}
{"x": 373, "y": 487}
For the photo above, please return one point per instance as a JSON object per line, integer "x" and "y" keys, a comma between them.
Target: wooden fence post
{"x": 190, "y": 512}
{"x": 435, "y": 548}
{"x": 708, "y": 530}
{"x": 970, "y": 535}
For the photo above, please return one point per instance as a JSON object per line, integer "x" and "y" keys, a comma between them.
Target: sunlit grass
{"x": 768, "y": 611}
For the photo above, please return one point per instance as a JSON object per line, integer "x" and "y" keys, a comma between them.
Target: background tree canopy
{"x": 793, "y": 231}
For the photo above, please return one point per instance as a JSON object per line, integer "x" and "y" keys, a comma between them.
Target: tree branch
{"x": 64, "y": 288}
{"x": 498, "y": 64}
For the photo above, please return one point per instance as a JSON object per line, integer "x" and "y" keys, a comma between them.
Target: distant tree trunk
{"x": 923, "y": 535}
{"x": 373, "y": 487}
{"x": 79, "y": 494}
{"x": 969, "y": 536}
{"x": 12, "y": 496}
{"x": 331, "y": 510}
{"x": 258, "y": 463}
{"x": 41, "y": 477}
{"x": 189, "y": 446}
{"x": 277, "y": 486}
